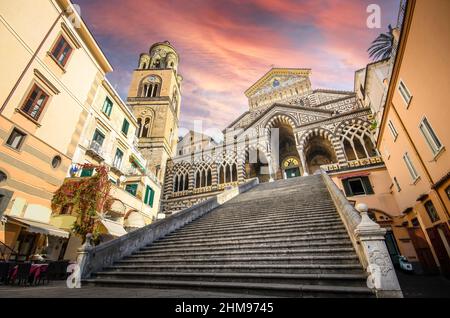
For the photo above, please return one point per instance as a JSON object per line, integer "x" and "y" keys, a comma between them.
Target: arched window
{"x": 234, "y": 173}
{"x": 186, "y": 181}
{"x": 227, "y": 173}
{"x": 203, "y": 177}
{"x": 198, "y": 179}
{"x": 146, "y": 128}
{"x": 209, "y": 178}
{"x": 181, "y": 182}
{"x": 357, "y": 142}
{"x": 150, "y": 86}
{"x": 138, "y": 131}
{"x": 175, "y": 184}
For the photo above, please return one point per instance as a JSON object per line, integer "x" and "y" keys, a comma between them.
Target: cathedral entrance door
{"x": 292, "y": 173}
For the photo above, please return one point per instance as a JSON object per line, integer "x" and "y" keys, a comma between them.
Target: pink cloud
{"x": 225, "y": 46}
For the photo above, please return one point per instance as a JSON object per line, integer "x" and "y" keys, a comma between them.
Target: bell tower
{"x": 154, "y": 97}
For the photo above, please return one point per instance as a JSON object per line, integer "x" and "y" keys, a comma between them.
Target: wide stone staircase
{"x": 283, "y": 238}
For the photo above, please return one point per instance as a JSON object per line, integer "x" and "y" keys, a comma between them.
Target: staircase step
{"x": 259, "y": 268}
{"x": 247, "y": 251}
{"x": 327, "y": 226}
{"x": 250, "y": 288}
{"x": 319, "y": 235}
{"x": 253, "y": 245}
{"x": 310, "y": 279}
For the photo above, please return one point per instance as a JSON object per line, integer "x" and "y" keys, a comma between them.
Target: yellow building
{"x": 109, "y": 138}
{"x": 46, "y": 50}
{"x": 414, "y": 132}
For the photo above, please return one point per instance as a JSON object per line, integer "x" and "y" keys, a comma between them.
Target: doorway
{"x": 292, "y": 173}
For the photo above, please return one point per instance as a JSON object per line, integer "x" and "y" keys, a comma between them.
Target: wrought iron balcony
{"x": 95, "y": 151}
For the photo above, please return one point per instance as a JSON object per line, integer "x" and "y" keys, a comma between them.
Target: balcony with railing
{"x": 95, "y": 151}
{"x": 354, "y": 164}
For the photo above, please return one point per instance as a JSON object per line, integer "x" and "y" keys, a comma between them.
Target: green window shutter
{"x": 131, "y": 189}
{"x": 146, "y": 197}
{"x": 347, "y": 189}
{"x": 152, "y": 197}
{"x": 149, "y": 196}
{"x": 107, "y": 106}
{"x": 87, "y": 172}
{"x": 125, "y": 126}
{"x": 367, "y": 185}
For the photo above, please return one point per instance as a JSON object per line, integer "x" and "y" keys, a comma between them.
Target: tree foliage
{"x": 381, "y": 47}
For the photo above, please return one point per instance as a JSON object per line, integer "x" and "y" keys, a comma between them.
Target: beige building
{"x": 109, "y": 138}
{"x": 46, "y": 50}
{"x": 194, "y": 142}
{"x": 154, "y": 97}
{"x": 414, "y": 132}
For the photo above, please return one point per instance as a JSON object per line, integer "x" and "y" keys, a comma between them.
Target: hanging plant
{"x": 89, "y": 198}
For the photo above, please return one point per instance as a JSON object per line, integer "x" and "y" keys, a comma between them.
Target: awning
{"x": 114, "y": 228}
{"x": 39, "y": 227}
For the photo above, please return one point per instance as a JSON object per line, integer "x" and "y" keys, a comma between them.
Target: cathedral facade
{"x": 289, "y": 130}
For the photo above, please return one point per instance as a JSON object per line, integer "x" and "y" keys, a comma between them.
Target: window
{"x": 357, "y": 186}
{"x": 16, "y": 139}
{"x": 397, "y": 184}
{"x": 113, "y": 181}
{"x": 404, "y": 92}
{"x": 410, "y": 166}
{"x": 87, "y": 173}
{"x": 107, "y": 107}
{"x": 431, "y": 210}
{"x": 66, "y": 209}
{"x": 447, "y": 190}
{"x": 97, "y": 141}
{"x": 35, "y": 102}
{"x": 56, "y": 162}
{"x": 430, "y": 137}
{"x": 149, "y": 196}
{"x": 131, "y": 188}
{"x": 125, "y": 127}
{"x": 118, "y": 159}
{"x": 393, "y": 130}
{"x": 3, "y": 176}
{"x": 415, "y": 222}
{"x": 62, "y": 50}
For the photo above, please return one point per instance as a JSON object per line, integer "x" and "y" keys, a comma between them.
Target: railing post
{"x": 382, "y": 277}
{"x": 84, "y": 254}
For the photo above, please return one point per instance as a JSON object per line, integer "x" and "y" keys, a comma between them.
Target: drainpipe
{"x": 11, "y": 93}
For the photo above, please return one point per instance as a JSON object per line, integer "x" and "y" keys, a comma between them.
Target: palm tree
{"x": 381, "y": 47}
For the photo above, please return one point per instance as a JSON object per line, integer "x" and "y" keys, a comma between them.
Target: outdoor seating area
{"x": 32, "y": 273}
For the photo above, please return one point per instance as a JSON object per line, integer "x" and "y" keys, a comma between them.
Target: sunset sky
{"x": 226, "y": 45}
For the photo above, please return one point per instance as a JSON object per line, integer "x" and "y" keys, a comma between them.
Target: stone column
{"x": 271, "y": 172}
{"x": 382, "y": 277}
{"x": 303, "y": 162}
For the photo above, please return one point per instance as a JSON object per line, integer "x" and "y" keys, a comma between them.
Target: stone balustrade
{"x": 368, "y": 239}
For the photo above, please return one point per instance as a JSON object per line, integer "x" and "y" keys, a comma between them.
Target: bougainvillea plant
{"x": 88, "y": 198}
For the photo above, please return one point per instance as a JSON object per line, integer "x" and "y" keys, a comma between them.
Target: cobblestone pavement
{"x": 412, "y": 286}
{"x": 415, "y": 286}
{"x": 59, "y": 290}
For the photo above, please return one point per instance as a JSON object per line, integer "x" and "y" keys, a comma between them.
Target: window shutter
{"x": 348, "y": 191}
{"x": 152, "y": 197}
{"x": 367, "y": 185}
